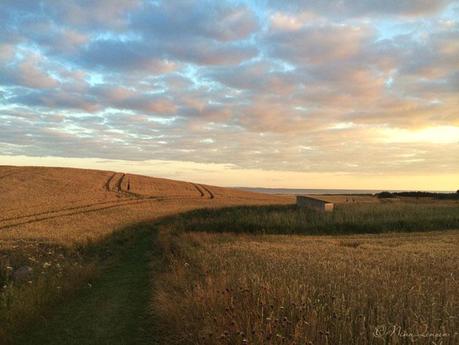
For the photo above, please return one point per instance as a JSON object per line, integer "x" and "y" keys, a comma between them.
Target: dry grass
{"x": 348, "y": 199}
{"x": 345, "y": 219}
{"x": 48, "y": 215}
{"x": 226, "y": 288}
{"x": 55, "y": 272}
{"x": 68, "y": 206}
{"x": 277, "y": 289}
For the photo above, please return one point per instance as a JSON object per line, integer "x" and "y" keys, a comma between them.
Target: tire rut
{"x": 62, "y": 210}
{"x": 199, "y": 190}
{"x": 113, "y": 184}
{"x": 211, "y": 195}
{"x": 106, "y": 187}
{"x": 118, "y": 204}
{"x": 107, "y": 184}
{"x": 119, "y": 183}
{"x": 114, "y": 205}
{"x": 8, "y": 174}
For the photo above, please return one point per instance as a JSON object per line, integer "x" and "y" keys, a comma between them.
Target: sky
{"x": 300, "y": 94}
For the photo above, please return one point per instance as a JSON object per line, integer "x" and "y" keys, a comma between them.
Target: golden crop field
{"x": 284, "y": 289}
{"x": 68, "y": 206}
{"x": 197, "y": 264}
{"x": 50, "y": 216}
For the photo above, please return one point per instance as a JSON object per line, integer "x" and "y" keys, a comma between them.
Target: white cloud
{"x": 300, "y": 86}
{"x": 433, "y": 135}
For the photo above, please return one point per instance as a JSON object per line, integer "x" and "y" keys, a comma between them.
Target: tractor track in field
{"x": 71, "y": 213}
{"x": 106, "y": 187}
{"x": 111, "y": 185}
{"x": 87, "y": 209}
{"x": 127, "y": 193}
{"x": 107, "y": 184}
{"x": 198, "y": 189}
{"x": 63, "y": 209}
{"x": 8, "y": 174}
{"x": 120, "y": 182}
{"x": 211, "y": 195}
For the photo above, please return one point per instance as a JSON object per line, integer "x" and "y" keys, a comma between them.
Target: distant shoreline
{"x": 294, "y": 191}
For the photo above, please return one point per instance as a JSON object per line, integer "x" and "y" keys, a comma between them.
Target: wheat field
{"x": 284, "y": 289}
{"x": 68, "y": 206}
{"x": 50, "y": 216}
{"x": 219, "y": 278}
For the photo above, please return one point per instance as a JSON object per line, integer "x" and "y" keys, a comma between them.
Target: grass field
{"x": 57, "y": 226}
{"x": 346, "y": 219}
{"x": 237, "y": 285}
{"x": 94, "y": 257}
{"x": 112, "y": 307}
{"x": 285, "y": 289}
{"x": 72, "y": 206}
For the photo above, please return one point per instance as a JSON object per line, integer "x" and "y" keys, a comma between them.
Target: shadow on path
{"x": 114, "y": 308}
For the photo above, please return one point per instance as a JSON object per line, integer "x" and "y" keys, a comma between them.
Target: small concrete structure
{"x": 315, "y": 203}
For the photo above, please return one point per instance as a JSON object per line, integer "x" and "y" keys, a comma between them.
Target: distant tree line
{"x": 442, "y": 196}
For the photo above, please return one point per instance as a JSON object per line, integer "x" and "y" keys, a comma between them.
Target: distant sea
{"x": 323, "y": 191}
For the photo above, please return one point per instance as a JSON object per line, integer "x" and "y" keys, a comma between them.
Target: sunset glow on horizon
{"x": 317, "y": 94}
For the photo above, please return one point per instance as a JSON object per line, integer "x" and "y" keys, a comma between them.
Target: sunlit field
{"x": 229, "y": 172}
{"x": 363, "y": 274}
{"x": 281, "y": 289}
{"x": 92, "y": 257}
{"x": 59, "y": 230}
{"x": 350, "y": 218}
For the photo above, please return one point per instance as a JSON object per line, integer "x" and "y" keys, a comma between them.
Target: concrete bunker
{"x": 315, "y": 203}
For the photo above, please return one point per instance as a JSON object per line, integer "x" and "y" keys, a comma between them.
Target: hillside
{"x": 67, "y": 206}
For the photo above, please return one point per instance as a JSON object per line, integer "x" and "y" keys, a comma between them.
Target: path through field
{"x": 114, "y": 310}
{"x": 75, "y": 209}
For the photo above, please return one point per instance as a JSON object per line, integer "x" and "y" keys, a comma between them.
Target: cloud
{"x": 353, "y": 8}
{"x": 87, "y": 14}
{"x": 303, "y": 86}
{"x": 6, "y": 53}
{"x": 130, "y": 56}
{"x": 28, "y": 73}
{"x": 218, "y": 21}
{"x": 314, "y": 45}
{"x": 160, "y": 34}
